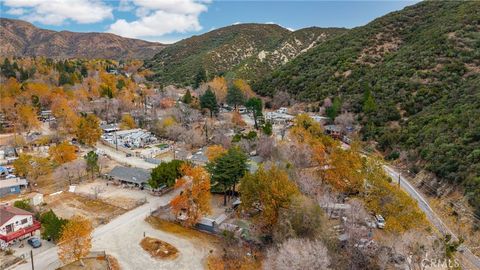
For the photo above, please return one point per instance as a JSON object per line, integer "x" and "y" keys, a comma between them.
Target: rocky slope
{"x": 20, "y": 38}
{"x": 245, "y": 51}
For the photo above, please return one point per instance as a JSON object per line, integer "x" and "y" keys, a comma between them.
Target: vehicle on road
{"x": 380, "y": 221}
{"x": 34, "y": 242}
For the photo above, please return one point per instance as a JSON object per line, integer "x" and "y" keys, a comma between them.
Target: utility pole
{"x": 31, "y": 258}
{"x": 399, "y": 178}
{"x": 116, "y": 141}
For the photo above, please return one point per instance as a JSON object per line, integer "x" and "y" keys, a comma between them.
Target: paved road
{"x": 121, "y": 157}
{"x": 48, "y": 259}
{"x": 473, "y": 260}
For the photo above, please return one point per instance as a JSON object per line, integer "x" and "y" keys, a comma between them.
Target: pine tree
{"x": 235, "y": 96}
{"x": 209, "y": 101}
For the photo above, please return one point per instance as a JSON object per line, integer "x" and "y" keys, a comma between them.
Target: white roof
{"x": 12, "y": 182}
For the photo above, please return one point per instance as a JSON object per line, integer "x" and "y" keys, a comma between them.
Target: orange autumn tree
{"x": 194, "y": 201}
{"x": 63, "y": 153}
{"x": 345, "y": 171}
{"x": 63, "y": 110}
{"x": 27, "y": 118}
{"x": 215, "y": 151}
{"x": 76, "y": 240}
{"x": 127, "y": 122}
{"x": 88, "y": 130}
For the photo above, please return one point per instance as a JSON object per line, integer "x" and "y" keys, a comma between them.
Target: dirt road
{"x": 121, "y": 236}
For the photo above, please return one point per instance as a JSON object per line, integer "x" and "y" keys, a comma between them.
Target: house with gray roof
{"x": 130, "y": 175}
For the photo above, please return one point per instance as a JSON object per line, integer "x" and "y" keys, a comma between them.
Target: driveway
{"x": 121, "y": 157}
{"x": 111, "y": 238}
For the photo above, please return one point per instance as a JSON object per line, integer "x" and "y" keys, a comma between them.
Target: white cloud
{"x": 56, "y": 12}
{"x": 236, "y": 23}
{"x": 16, "y": 11}
{"x": 159, "y": 17}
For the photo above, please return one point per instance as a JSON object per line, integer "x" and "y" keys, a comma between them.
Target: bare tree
{"x": 97, "y": 190}
{"x": 345, "y": 120}
{"x": 281, "y": 99}
{"x": 298, "y": 254}
{"x": 265, "y": 147}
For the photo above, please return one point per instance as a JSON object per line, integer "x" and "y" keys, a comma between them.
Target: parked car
{"x": 34, "y": 242}
{"x": 380, "y": 221}
{"x": 129, "y": 155}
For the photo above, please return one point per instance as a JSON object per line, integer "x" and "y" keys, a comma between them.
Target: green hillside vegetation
{"x": 233, "y": 51}
{"x": 412, "y": 77}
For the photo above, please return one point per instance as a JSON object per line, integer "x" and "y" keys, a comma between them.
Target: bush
{"x": 23, "y": 204}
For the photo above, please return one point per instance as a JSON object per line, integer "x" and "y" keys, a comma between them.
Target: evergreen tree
{"x": 187, "y": 98}
{"x": 235, "y": 96}
{"x": 200, "y": 77}
{"x": 369, "y": 105}
{"x": 166, "y": 173}
{"x": 52, "y": 225}
{"x": 209, "y": 101}
{"x": 92, "y": 162}
{"x": 227, "y": 170}
{"x": 333, "y": 110}
{"x": 255, "y": 105}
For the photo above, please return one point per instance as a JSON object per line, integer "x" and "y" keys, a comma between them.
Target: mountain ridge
{"x": 21, "y": 38}
{"x": 234, "y": 50}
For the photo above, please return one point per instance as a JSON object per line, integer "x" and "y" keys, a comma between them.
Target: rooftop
{"x": 8, "y": 212}
{"x": 130, "y": 174}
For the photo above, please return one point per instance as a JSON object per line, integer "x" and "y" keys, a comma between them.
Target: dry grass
{"x": 217, "y": 262}
{"x": 114, "y": 265}
{"x": 180, "y": 231}
{"x": 68, "y": 204}
{"x": 158, "y": 248}
{"x": 98, "y": 263}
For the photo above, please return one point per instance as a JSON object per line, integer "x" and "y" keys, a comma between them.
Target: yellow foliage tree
{"x": 345, "y": 171}
{"x": 76, "y": 239}
{"x": 219, "y": 86}
{"x": 63, "y": 153}
{"x": 127, "y": 122}
{"x": 63, "y": 110}
{"x": 401, "y": 212}
{"x": 194, "y": 201}
{"x": 245, "y": 87}
{"x": 268, "y": 191}
{"x": 88, "y": 130}
{"x": 27, "y": 118}
{"x": 168, "y": 122}
{"x": 215, "y": 151}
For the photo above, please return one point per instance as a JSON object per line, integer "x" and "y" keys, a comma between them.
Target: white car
{"x": 380, "y": 221}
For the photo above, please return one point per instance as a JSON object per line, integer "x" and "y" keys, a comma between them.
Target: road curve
{"x": 432, "y": 217}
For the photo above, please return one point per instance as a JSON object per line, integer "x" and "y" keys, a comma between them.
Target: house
{"x": 199, "y": 157}
{"x": 334, "y": 131}
{"x": 130, "y": 175}
{"x": 16, "y": 224}
{"x": 12, "y": 186}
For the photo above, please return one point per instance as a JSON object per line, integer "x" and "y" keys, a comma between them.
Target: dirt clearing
{"x": 67, "y": 204}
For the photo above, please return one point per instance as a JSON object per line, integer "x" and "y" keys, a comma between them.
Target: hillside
{"x": 244, "y": 50}
{"x": 412, "y": 78}
{"x": 20, "y": 38}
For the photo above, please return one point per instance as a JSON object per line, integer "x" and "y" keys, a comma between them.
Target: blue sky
{"x": 171, "y": 20}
